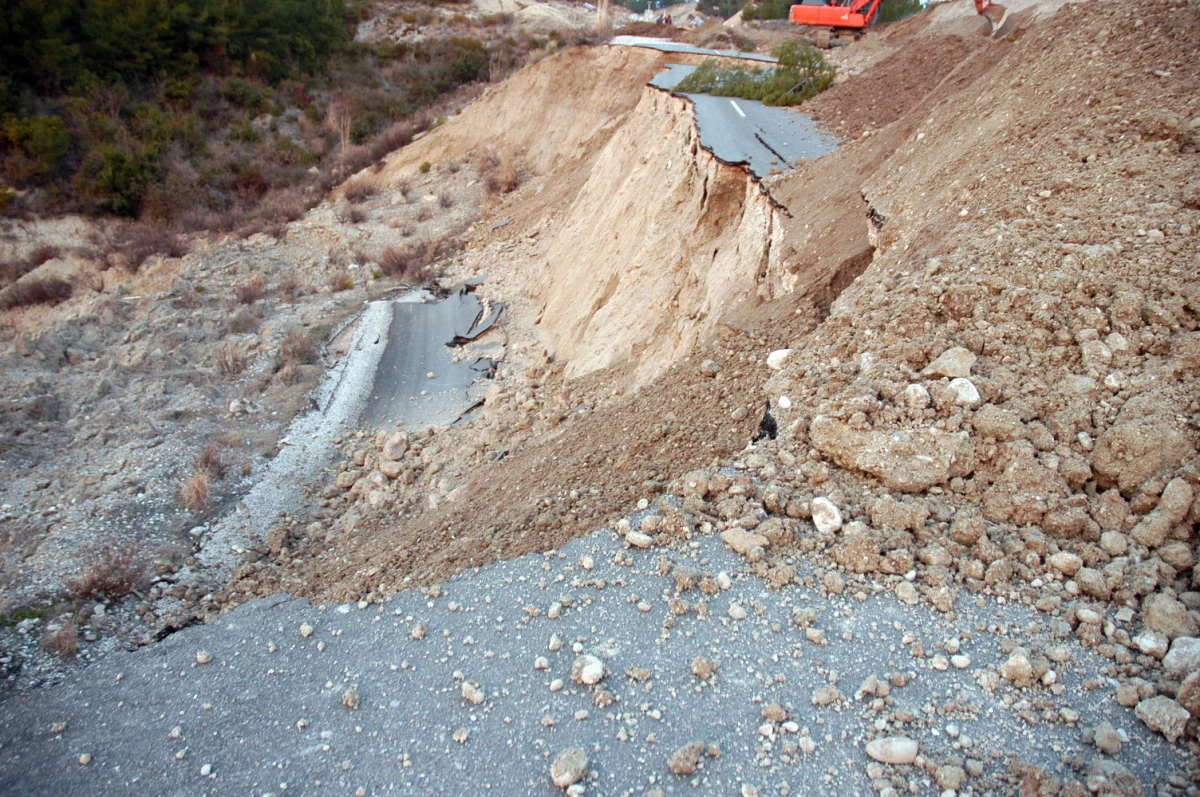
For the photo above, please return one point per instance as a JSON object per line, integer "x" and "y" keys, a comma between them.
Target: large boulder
{"x": 905, "y": 460}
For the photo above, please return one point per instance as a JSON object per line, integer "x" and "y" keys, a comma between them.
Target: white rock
{"x": 1184, "y": 656}
{"x": 916, "y": 396}
{"x": 965, "y": 392}
{"x": 472, "y": 692}
{"x": 1152, "y": 643}
{"x": 236, "y": 407}
{"x": 1017, "y": 668}
{"x": 777, "y": 358}
{"x": 1095, "y": 355}
{"x": 1066, "y": 562}
{"x": 785, "y": 403}
{"x": 952, "y": 363}
{"x": 825, "y": 515}
{"x": 639, "y": 540}
{"x": 893, "y": 750}
{"x": 587, "y": 669}
{"x": 737, "y": 612}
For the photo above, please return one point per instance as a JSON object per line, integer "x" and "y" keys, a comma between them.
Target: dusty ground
{"x": 1029, "y": 208}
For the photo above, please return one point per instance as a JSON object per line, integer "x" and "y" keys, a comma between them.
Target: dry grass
{"x": 351, "y": 214}
{"x": 341, "y": 282}
{"x": 12, "y": 271}
{"x": 229, "y": 361}
{"x": 63, "y": 641}
{"x": 244, "y": 321}
{"x": 211, "y": 460}
{"x": 290, "y": 287}
{"x": 195, "y": 491}
{"x": 250, "y": 292}
{"x": 501, "y": 175}
{"x": 39, "y": 290}
{"x": 445, "y": 200}
{"x": 112, "y": 571}
{"x": 298, "y": 348}
{"x": 359, "y": 191}
{"x": 415, "y": 263}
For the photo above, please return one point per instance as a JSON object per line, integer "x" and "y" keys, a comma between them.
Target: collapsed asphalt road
{"x": 470, "y": 688}
{"x": 401, "y": 367}
{"x": 418, "y": 382}
{"x": 767, "y": 139}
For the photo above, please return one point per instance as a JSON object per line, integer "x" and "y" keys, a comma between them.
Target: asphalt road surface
{"x": 296, "y": 699}
{"x": 738, "y": 131}
{"x": 418, "y": 383}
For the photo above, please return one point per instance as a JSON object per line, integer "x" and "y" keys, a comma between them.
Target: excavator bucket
{"x": 996, "y": 15}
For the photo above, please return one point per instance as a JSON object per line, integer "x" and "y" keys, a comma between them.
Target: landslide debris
{"x": 993, "y": 370}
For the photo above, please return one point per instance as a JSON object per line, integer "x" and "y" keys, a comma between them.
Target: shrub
{"x": 358, "y": 192}
{"x": 112, "y": 571}
{"x": 425, "y": 167}
{"x": 298, "y": 348}
{"x": 139, "y": 242}
{"x": 767, "y": 9}
{"x": 895, "y": 10}
{"x": 341, "y": 282}
{"x": 40, "y": 290}
{"x": 802, "y": 73}
{"x": 250, "y": 292}
{"x": 445, "y": 200}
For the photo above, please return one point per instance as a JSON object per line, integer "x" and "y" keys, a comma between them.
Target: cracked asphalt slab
{"x": 267, "y": 710}
{"x": 766, "y": 139}
{"x": 418, "y": 382}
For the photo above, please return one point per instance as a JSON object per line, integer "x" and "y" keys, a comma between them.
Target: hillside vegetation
{"x": 208, "y": 113}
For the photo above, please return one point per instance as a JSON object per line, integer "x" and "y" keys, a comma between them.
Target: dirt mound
{"x": 557, "y": 110}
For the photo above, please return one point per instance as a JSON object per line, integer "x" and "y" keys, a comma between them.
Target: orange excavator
{"x": 837, "y": 22}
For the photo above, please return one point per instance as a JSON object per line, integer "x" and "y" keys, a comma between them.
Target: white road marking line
{"x": 736, "y": 108}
